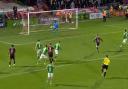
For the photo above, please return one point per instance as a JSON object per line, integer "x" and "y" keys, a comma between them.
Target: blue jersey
{"x": 55, "y": 25}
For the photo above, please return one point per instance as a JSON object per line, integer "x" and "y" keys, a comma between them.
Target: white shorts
{"x": 38, "y": 52}
{"x": 50, "y": 75}
{"x": 56, "y": 52}
{"x": 43, "y": 56}
{"x": 124, "y": 41}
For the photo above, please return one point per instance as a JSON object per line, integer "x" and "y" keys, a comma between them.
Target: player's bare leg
{"x": 97, "y": 48}
{"x": 38, "y": 61}
{"x": 104, "y": 72}
{"x": 122, "y": 45}
{"x": 14, "y": 62}
{"x": 10, "y": 63}
{"x": 45, "y": 61}
{"x": 49, "y": 81}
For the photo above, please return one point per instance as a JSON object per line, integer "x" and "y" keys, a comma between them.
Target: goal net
{"x": 43, "y": 20}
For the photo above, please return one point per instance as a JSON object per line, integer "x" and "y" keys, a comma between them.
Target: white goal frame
{"x": 29, "y": 13}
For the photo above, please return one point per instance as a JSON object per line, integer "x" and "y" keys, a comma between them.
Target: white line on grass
{"x": 50, "y": 30}
{"x": 114, "y": 26}
{"x": 59, "y": 66}
{"x": 70, "y": 29}
{"x": 59, "y": 38}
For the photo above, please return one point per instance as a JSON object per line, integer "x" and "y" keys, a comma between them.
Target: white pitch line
{"x": 59, "y": 66}
{"x": 50, "y": 30}
{"x": 59, "y": 38}
{"x": 116, "y": 26}
{"x": 4, "y": 42}
{"x": 70, "y": 29}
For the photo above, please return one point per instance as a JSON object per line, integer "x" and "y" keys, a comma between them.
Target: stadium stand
{"x": 89, "y": 6}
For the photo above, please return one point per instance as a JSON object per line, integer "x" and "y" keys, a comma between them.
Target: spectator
{"x": 59, "y": 3}
{"x": 72, "y": 5}
{"x": 15, "y": 12}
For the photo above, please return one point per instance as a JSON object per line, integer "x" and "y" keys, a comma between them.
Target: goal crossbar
{"x": 38, "y": 12}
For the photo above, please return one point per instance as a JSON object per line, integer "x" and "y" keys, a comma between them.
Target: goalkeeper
{"x": 55, "y": 25}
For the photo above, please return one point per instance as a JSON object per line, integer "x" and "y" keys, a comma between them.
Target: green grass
{"x": 78, "y": 65}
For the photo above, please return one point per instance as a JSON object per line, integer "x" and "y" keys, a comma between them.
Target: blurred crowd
{"x": 67, "y": 4}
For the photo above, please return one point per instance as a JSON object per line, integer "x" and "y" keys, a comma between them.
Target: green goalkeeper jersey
{"x": 57, "y": 46}
{"x": 125, "y": 36}
{"x": 50, "y": 68}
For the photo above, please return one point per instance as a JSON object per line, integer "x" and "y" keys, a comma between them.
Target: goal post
{"x": 43, "y": 20}
{"x": 28, "y": 24}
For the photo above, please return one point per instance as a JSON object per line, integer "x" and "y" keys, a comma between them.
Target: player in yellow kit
{"x": 106, "y": 62}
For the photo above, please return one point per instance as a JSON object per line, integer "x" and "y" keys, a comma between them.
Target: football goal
{"x": 43, "y": 20}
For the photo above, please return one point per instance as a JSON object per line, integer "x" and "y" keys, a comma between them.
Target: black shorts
{"x": 105, "y": 66}
{"x": 12, "y": 57}
{"x": 104, "y": 17}
{"x": 97, "y": 44}
{"x": 50, "y": 54}
{"x": 126, "y": 15}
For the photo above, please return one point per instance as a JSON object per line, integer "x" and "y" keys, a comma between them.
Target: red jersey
{"x": 12, "y": 51}
{"x": 50, "y": 49}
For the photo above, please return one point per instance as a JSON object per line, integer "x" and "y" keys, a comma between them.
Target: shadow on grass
{"x": 90, "y": 55}
{"x": 66, "y": 62}
{"x": 117, "y": 51}
{"x": 70, "y": 85}
{"x": 82, "y": 61}
{"x": 114, "y": 78}
{"x": 27, "y": 66}
{"x": 114, "y": 51}
{"x": 97, "y": 84}
{"x": 4, "y": 72}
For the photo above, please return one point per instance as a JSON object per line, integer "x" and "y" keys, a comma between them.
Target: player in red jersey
{"x": 97, "y": 40}
{"x": 12, "y": 52}
{"x": 50, "y": 52}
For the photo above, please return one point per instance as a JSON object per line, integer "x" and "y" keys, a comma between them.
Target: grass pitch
{"x": 78, "y": 65}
